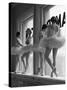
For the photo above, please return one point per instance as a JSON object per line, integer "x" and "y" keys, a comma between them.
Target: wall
{"x": 13, "y": 38}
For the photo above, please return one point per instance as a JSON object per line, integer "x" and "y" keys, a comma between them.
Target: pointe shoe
{"x": 51, "y": 74}
{"x": 54, "y": 71}
{"x": 23, "y": 72}
{"x": 41, "y": 74}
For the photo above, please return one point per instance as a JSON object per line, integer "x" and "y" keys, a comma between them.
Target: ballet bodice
{"x": 52, "y": 30}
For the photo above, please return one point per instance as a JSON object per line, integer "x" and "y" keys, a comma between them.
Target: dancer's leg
{"x": 54, "y": 56}
{"x": 17, "y": 67}
{"x": 41, "y": 63}
{"x": 54, "y": 59}
{"x": 27, "y": 59}
{"x": 48, "y": 50}
{"x": 23, "y": 63}
{"x": 20, "y": 66}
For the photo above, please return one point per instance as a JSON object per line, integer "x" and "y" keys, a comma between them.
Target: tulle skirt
{"x": 52, "y": 42}
{"x": 15, "y": 50}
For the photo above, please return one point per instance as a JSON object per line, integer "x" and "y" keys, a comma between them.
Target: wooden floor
{"x": 19, "y": 80}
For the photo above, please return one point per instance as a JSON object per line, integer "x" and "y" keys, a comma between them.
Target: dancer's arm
{"x": 19, "y": 42}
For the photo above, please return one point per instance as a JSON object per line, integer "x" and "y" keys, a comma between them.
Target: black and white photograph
{"x": 36, "y": 44}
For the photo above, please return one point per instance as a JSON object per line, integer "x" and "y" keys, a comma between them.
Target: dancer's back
{"x": 52, "y": 30}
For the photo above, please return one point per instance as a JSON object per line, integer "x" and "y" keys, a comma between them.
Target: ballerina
{"x": 52, "y": 40}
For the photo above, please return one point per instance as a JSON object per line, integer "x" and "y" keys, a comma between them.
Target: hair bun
{"x": 53, "y": 19}
{"x": 44, "y": 26}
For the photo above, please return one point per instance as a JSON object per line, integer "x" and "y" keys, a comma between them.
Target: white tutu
{"x": 52, "y": 42}
{"x": 15, "y": 50}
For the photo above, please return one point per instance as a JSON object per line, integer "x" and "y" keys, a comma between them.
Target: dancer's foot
{"x": 23, "y": 72}
{"x": 54, "y": 71}
{"x": 40, "y": 72}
